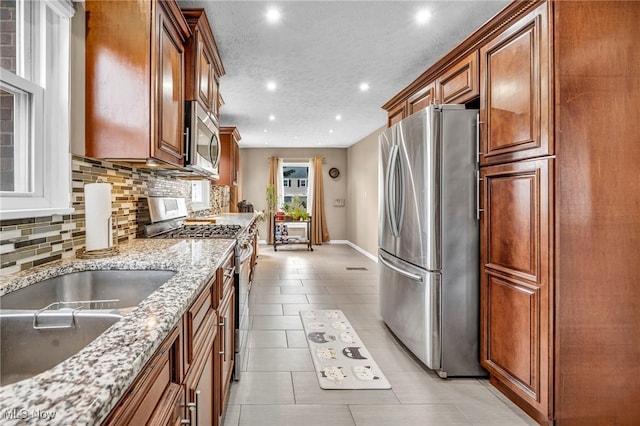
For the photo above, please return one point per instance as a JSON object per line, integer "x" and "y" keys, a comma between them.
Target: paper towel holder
{"x": 113, "y": 250}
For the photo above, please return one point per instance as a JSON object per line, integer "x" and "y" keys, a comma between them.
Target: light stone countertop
{"x": 84, "y": 389}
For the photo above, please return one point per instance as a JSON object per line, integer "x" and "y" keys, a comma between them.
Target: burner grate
{"x": 204, "y": 231}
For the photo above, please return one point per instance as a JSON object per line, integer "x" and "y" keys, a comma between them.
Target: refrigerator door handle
{"x": 400, "y": 216}
{"x": 391, "y": 192}
{"x": 401, "y": 271}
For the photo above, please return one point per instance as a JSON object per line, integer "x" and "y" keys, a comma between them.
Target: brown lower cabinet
{"x": 226, "y": 352}
{"x": 157, "y": 395}
{"x": 188, "y": 378}
{"x": 516, "y": 298}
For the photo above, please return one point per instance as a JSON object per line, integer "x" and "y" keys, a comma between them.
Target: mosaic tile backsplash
{"x": 25, "y": 243}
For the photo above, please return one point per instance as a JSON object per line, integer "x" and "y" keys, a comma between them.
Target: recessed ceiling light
{"x": 273, "y": 15}
{"x": 272, "y": 117}
{"x": 338, "y": 117}
{"x": 423, "y": 16}
{"x": 330, "y": 130}
{"x": 265, "y": 130}
{"x": 271, "y": 86}
{"x": 364, "y": 87}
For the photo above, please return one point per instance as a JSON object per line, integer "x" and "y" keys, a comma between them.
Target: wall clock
{"x": 334, "y": 173}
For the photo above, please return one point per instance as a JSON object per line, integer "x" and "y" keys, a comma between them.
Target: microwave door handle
{"x": 214, "y": 137}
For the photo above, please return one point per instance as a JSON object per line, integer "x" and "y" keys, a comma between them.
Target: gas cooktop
{"x": 202, "y": 231}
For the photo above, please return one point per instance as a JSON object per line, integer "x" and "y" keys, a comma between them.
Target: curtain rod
{"x": 297, "y": 160}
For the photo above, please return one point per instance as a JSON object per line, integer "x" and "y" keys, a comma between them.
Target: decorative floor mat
{"x": 340, "y": 357}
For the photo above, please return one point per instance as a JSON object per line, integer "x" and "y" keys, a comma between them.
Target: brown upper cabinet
{"x": 514, "y": 91}
{"x": 421, "y": 99}
{"x": 203, "y": 64}
{"x": 396, "y": 114}
{"x": 229, "y": 167}
{"x": 459, "y": 83}
{"x": 135, "y": 81}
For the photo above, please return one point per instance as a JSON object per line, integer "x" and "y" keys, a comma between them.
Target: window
{"x": 294, "y": 182}
{"x": 34, "y": 101}
{"x": 200, "y": 194}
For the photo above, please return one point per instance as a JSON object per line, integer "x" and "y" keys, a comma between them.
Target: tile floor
{"x": 279, "y": 387}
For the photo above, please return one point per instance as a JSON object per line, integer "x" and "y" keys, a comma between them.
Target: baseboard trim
{"x": 356, "y": 248}
{"x": 346, "y": 242}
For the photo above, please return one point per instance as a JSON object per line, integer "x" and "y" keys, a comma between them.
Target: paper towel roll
{"x": 97, "y": 208}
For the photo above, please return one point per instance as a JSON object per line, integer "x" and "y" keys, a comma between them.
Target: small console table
{"x": 281, "y": 234}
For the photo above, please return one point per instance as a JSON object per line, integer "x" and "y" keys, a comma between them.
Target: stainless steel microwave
{"x": 202, "y": 145}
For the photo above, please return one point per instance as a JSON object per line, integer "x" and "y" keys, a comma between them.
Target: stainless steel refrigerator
{"x": 429, "y": 237}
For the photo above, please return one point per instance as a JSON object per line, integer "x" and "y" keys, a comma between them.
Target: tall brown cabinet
{"x": 230, "y": 165}
{"x": 559, "y": 92}
{"x": 135, "y": 81}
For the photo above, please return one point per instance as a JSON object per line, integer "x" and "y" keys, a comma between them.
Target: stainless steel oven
{"x": 168, "y": 216}
{"x": 244, "y": 256}
{"x": 202, "y": 144}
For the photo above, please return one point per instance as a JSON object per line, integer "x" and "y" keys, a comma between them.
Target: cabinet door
{"x": 516, "y": 298}
{"x": 205, "y": 77}
{"x": 514, "y": 91}
{"x": 396, "y": 114}
{"x": 169, "y": 89}
{"x": 226, "y": 353}
{"x": 459, "y": 84}
{"x": 421, "y": 99}
{"x": 202, "y": 398}
{"x": 155, "y": 396}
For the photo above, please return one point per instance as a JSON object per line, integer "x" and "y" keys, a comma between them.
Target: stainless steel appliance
{"x": 429, "y": 237}
{"x": 168, "y": 216}
{"x": 202, "y": 144}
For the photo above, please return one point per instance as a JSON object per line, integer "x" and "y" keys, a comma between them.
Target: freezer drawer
{"x": 410, "y": 306}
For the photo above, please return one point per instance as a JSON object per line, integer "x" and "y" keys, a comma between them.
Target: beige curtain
{"x": 319, "y": 233}
{"x": 273, "y": 179}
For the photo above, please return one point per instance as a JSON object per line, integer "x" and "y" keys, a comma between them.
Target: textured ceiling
{"x": 318, "y": 54}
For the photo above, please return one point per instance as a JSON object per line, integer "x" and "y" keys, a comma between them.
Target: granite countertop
{"x": 84, "y": 389}
{"x": 243, "y": 219}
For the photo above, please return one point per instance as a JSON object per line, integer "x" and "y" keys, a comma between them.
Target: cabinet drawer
{"x": 225, "y": 280}
{"x": 151, "y": 399}
{"x": 198, "y": 322}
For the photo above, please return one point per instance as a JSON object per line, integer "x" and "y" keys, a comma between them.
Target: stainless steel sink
{"x": 47, "y": 322}
{"x": 129, "y": 287}
{"x": 28, "y": 348}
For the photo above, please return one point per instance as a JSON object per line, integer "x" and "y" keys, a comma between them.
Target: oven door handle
{"x": 244, "y": 257}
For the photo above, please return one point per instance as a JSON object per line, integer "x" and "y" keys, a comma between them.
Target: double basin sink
{"x": 47, "y": 322}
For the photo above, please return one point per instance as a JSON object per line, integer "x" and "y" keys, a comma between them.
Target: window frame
{"x": 43, "y": 42}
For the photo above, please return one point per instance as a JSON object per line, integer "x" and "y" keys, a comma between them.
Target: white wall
{"x": 255, "y": 177}
{"x": 362, "y": 193}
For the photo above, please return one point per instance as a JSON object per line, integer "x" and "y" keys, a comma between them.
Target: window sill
{"x": 22, "y": 214}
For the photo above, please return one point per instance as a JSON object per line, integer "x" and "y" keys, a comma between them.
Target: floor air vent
{"x": 356, "y": 268}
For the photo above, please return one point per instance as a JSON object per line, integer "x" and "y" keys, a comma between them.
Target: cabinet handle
{"x": 478, "y": 123}
{"x": 478, "y": 209}
{"x": 189, "y": 421}
{"x": 230, "y": 273}
{"x": 197, "y": 407}
{"x": 224, "y": 336}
